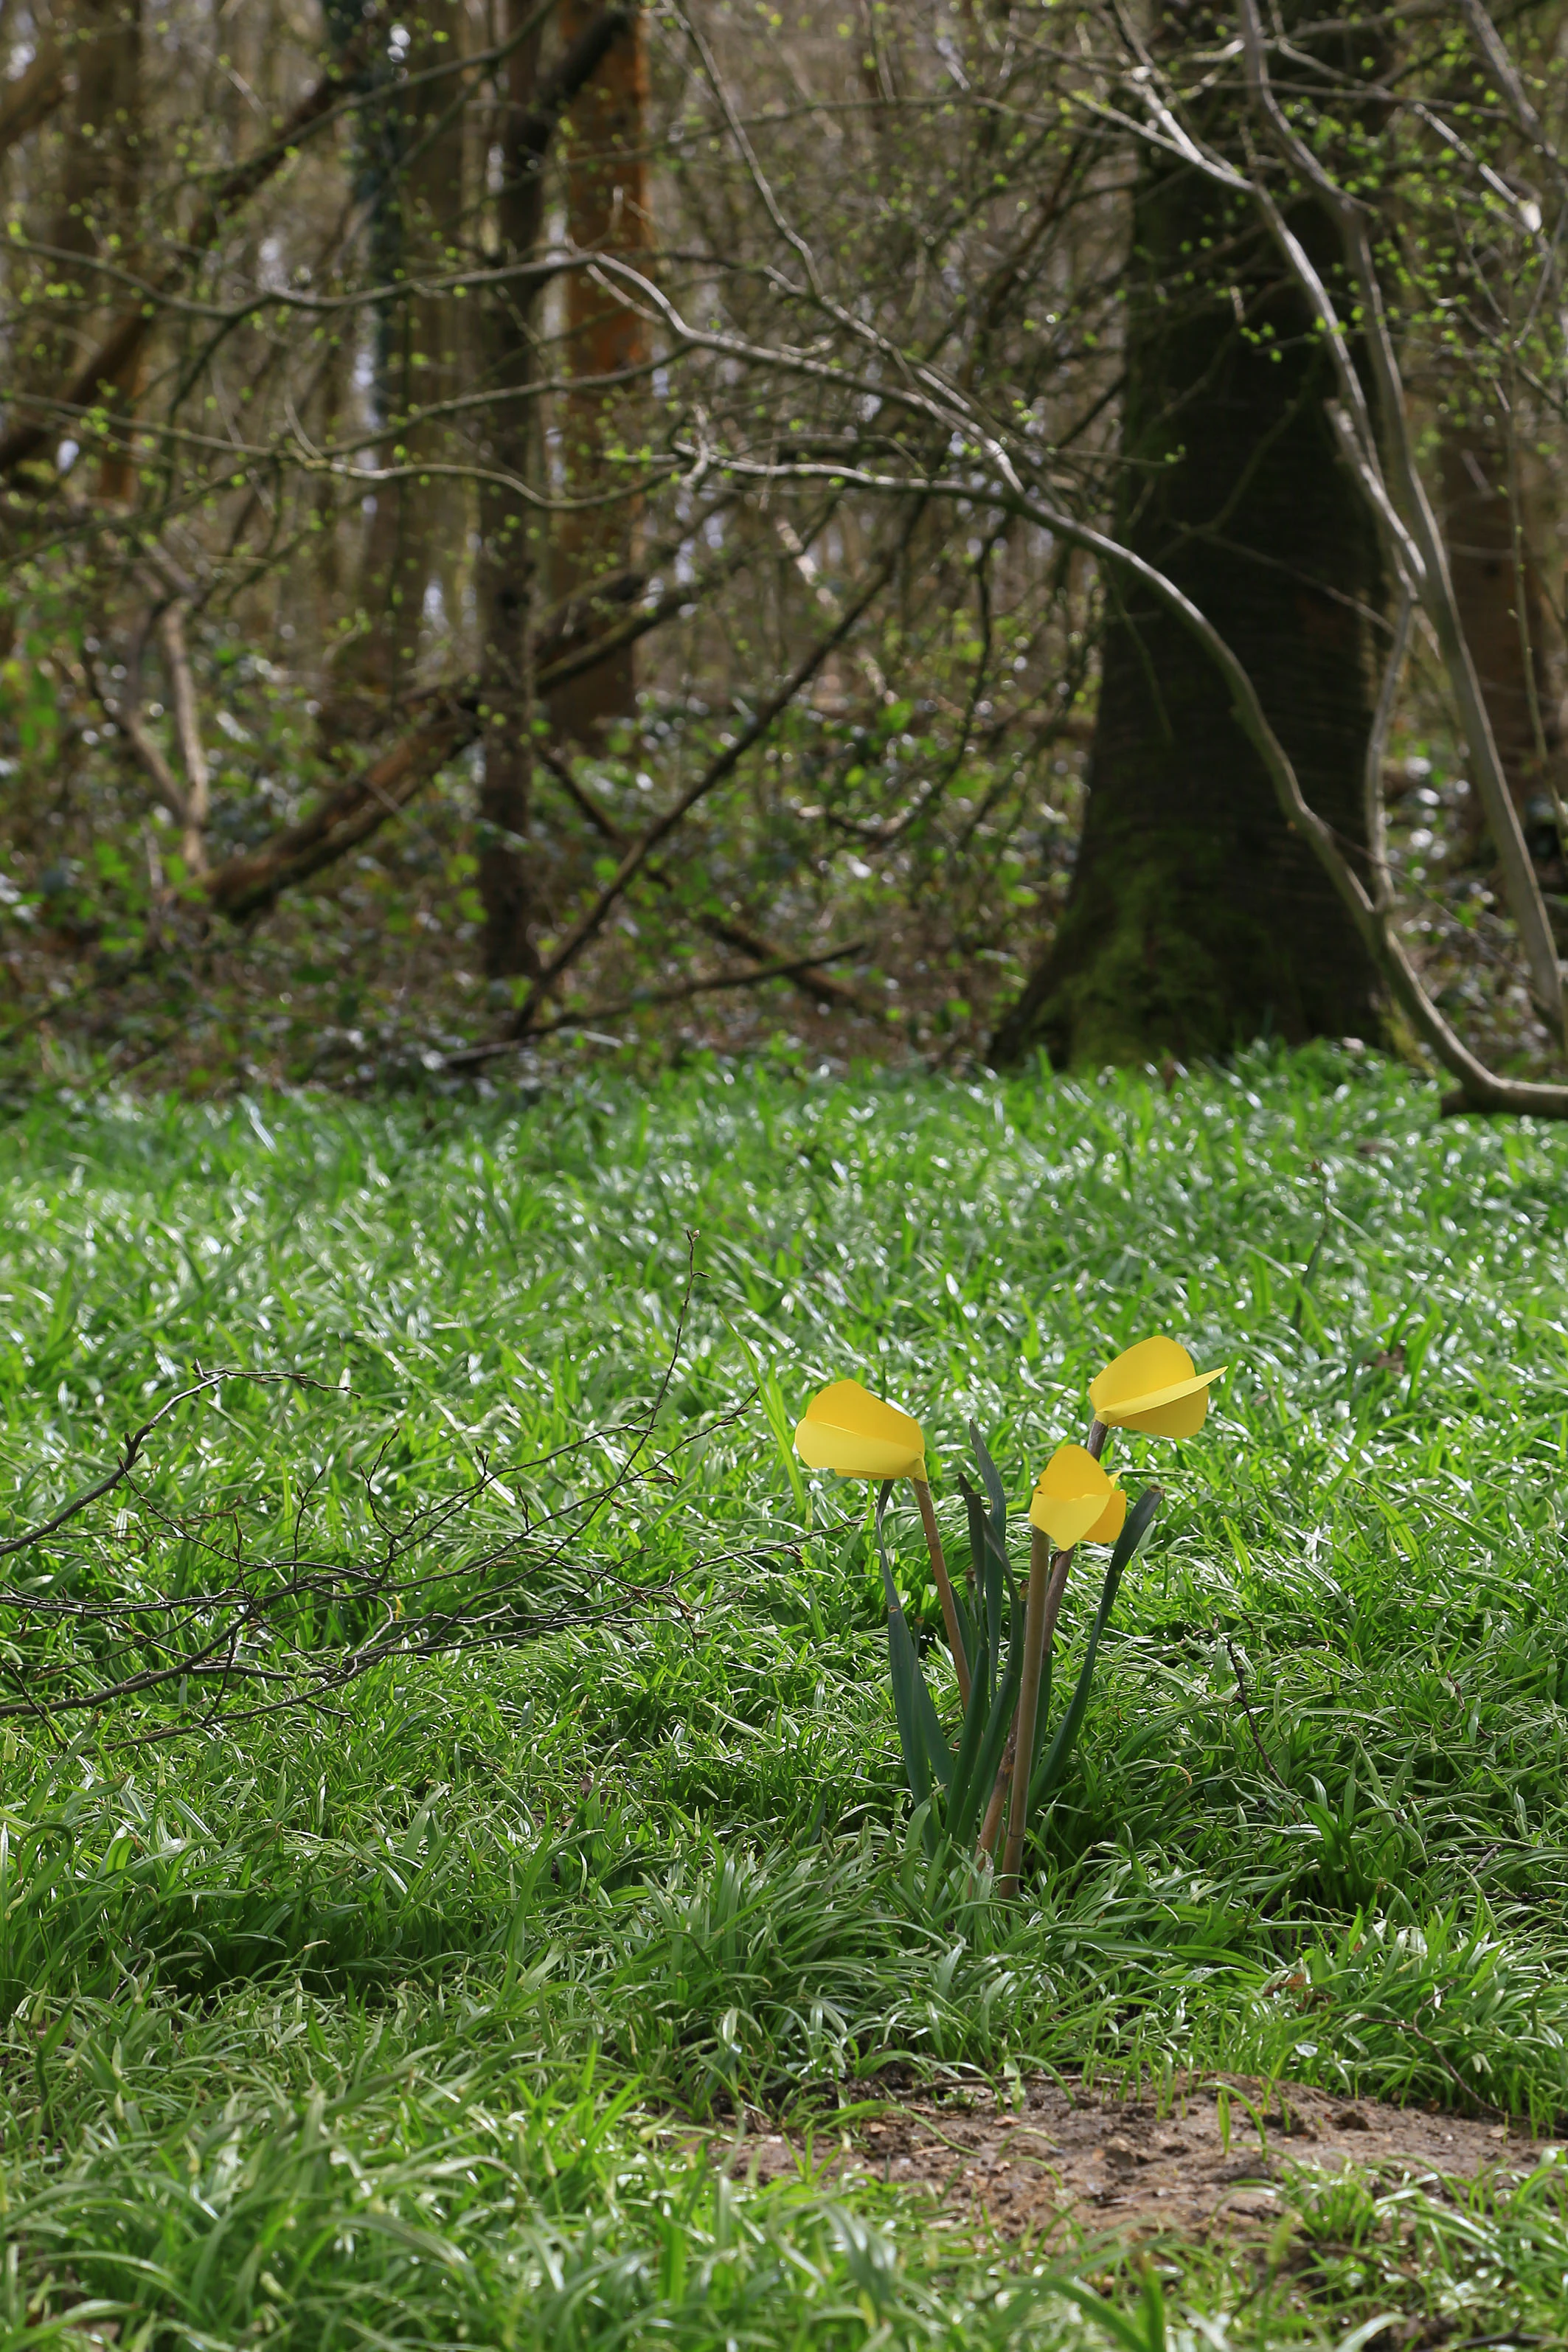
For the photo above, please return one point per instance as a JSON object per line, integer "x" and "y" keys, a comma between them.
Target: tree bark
{"x": 606, "y": 212}
{"x": 1197, "y": 920}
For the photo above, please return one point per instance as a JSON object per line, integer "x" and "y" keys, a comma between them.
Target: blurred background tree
{"x": 530, "y": 529}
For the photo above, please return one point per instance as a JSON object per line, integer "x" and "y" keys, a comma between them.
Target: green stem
{"x": 943, "y": 1586}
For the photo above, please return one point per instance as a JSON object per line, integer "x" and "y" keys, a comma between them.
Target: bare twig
{"x": 112, "y": 362}
{"x": 249, "y": 1643}
{"x": 1269, "y": 1764}
{"x": 810, "y": 978}
{"x": 724, "y": 763}
{"x": 132, "y": 1452}
{"x": 792, "y": 967}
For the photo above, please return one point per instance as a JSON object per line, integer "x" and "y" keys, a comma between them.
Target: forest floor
{"x": 591, "y": 1989}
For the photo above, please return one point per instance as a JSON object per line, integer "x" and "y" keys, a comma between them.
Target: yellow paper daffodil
{"x": 846, "y": 1428}
{"x": 1076, "y": 1501}
{"x": 1153, "y": 1387}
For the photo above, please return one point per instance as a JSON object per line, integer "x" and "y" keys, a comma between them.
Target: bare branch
{"x": 249, "y": 883}
{"x": 592, "y": 921}
{"x": 643, "y": 999}
{"x": 808, "y": 977}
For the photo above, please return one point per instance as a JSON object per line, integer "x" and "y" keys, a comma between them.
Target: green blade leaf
{"x": 1140, "y": 1519}
{"x": 926, "y": 1752}
{"x": 964, "y": 1820}
{"x": 987, "y": 1593}
{"x": 991, "y": 1478}
{"x": 976, "y": 1716}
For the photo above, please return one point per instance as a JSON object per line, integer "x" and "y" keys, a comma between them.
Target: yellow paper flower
{"x": 1076, "y": 1501}
{"x": 846, "y": 1428}
{"x": 1153, "y": 1387}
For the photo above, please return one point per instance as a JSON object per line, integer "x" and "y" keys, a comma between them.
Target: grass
{"x": 409, "y": 2023}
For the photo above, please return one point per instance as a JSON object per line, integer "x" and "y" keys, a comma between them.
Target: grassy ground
{"x": 396, "y": 2025}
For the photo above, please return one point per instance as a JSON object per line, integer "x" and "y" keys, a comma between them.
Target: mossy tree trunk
{"x": 1196, "y": 918}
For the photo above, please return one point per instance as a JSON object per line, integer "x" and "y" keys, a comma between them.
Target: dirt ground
{"x": 1203, "y": 2161}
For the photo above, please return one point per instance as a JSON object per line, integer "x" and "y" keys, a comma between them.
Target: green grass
{"x": 405, "y": 2024}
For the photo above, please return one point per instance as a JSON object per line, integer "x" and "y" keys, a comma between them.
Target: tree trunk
{"x": 419, "y": 519}
{"x": 606, "y": 212}
{"x": 508, "y": 532}
{"x": 1507, "y": 632}
{"x": 1196, "y": 918}
{"x": 531, "y": 106}
{"x": 97, "y": 212}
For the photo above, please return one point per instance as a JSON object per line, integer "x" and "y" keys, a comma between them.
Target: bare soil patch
{"x": 1205, "y": 2161}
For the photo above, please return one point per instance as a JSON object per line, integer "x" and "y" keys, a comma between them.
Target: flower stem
{"x": 943, "y": 1586}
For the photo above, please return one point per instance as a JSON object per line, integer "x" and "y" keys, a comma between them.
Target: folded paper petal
{"x": 1076, "y": 1502}
{"x": 1111, "y": 1520}
{"x": 1153, "y": 1387}
{"x": 846, "y": 1428}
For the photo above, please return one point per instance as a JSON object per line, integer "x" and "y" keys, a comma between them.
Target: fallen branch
{"x": 248, "y": 884}
{"x": 108, "y": 1632}
{"x": 132, "y": 1452}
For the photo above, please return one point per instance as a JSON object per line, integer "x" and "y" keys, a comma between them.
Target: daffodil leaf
{"x": 987, "y": 1583}
{"x": 926, "y": 1752}
{"x": 939, "y": 1755}
{"x": 976, "y": 1720}
{"x": 1140, "y": 1519}
{"x": 904, "y": 1666}
{"x": 965, "y": 1630}
{"x": 991, "y": 1478}
{"x": 968, "y": 1804}
{"x": 988, "y": 1545}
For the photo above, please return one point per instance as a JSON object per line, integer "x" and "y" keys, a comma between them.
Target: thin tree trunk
{"x": 1196, "y": 918}
{"x": 97, "y": 212}
{"x": 508, "y": 541}
{"x": 606, "y": 212}
{"x": 1498, "y": 585}
{"x": 419, "y": 519}
{"x": 509, "y": 526}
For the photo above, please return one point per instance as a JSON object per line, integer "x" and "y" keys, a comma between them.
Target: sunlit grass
{"x": 388, "y": 2021}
